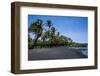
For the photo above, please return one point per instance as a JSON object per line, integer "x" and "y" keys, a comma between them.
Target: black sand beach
{"x": 54, "y": 53}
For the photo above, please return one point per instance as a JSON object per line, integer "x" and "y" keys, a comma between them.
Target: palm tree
{"x": 30, "y": 41}
{"x": 58, "y": 34}
{"x": 49, "y": 23}
{"x": 36, "y": 28}
{"x": 52, "y": 35}
{"x": 70, "y": 40}
{"x": 57, "y": 40}
{"x": 45, "y": 36}
{"x": 46, "y": 32}
{"x": 53, "y": 30}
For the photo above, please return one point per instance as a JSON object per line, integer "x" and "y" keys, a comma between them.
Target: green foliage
{"x": 44, "y": 38}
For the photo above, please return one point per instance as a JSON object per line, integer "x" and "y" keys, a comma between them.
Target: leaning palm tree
{"x": 46, "y": 32}
{"x": 36, "y": 29}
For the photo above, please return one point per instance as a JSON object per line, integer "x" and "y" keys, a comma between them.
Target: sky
{"x": 71, "y": 26}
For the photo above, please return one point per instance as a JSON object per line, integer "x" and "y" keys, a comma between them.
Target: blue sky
{"x": 71, "y": 26}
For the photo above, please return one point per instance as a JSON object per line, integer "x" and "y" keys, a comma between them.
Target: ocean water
{"x": 84, "y": 51}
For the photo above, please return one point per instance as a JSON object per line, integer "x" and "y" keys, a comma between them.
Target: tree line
{"x": 46, "y": 35}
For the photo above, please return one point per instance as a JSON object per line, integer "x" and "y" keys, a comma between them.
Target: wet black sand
{"x": 54, "y": 53}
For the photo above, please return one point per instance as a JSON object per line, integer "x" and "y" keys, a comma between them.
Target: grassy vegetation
{"x": 46, "y": 35}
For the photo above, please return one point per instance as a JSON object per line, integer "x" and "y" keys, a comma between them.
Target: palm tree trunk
{"x": 35, "y": 41}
